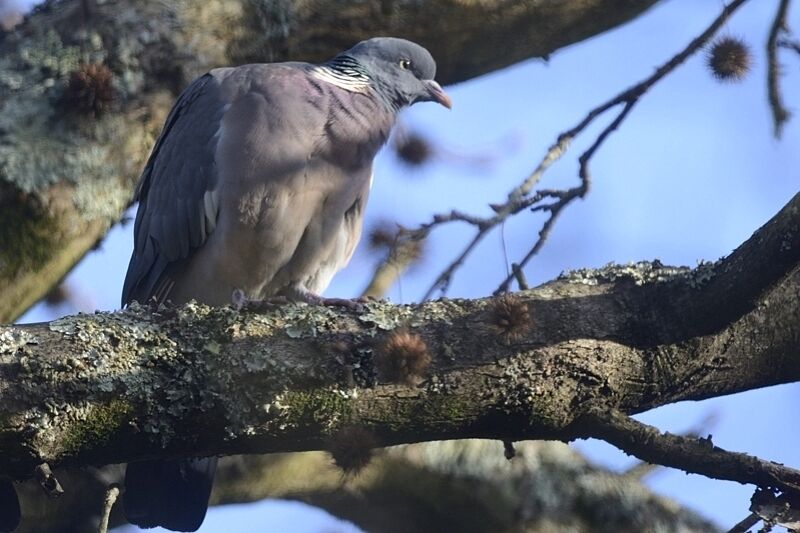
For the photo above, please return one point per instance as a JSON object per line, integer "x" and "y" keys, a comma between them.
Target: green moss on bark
{"x": 314, "y": 408}
{"x": 98, "y": 424}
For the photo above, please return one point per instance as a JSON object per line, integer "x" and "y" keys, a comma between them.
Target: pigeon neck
{"x": 347, "y": 73}
{"x": 344, "y": 72}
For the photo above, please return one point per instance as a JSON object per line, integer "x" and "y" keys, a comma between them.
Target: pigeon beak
{"x": 437, "y": 94}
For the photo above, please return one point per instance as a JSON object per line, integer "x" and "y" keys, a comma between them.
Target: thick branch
{"x": 68, "y": 164}
{"x": 114, "y": 387}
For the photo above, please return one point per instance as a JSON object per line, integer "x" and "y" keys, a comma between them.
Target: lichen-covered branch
{"x": 194, "y": 380}
{"x": 85, "y": 86}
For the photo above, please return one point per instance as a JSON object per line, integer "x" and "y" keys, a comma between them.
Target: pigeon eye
{"x": 405, "y": 64}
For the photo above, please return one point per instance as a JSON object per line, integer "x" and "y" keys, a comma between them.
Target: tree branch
{"x": 194, "y": 380}
{"x": 405, "y": 488}
{"x": 779, "y": 112}
{"x": 695, "y": 455}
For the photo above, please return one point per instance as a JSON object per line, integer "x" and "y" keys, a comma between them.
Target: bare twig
{"x": 697, "y": 456}
{"x": 779, "y": 112}
{"x": 108, "y": 503}
{"x": 642, "y": 468}
{"x": 745, "y": 525}
{"x": 508, "y": 450}
{"x": 519, "y": 275}
{"x": 555, "y": 210}
{"x": 789, "y": 44}
{"x": 520, "y": 197}
{"x": 48, "y": 481}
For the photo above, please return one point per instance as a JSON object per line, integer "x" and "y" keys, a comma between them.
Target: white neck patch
{"x": 333, "y": 77}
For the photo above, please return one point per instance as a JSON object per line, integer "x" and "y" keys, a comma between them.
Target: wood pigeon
{"x": 257, "y": 186}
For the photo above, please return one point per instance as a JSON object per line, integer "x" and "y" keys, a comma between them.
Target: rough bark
{"x": 114, "y": 387}
{"x": 66, "y": 175}
{"x": 111, "y": 387}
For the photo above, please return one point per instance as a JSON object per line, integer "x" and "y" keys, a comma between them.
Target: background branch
{"x": 415, "y": 487}
{"x": 779, "y": 112}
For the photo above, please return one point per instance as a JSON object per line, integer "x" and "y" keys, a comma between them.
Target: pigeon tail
{"x": 9, "y": 506}
{"x": 171, "y": 494}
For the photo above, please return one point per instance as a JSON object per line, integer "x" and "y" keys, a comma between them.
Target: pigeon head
{"x": 401, "y": 72}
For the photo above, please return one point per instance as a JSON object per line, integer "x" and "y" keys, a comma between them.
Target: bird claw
{"x": 240, "y": 302}
{"x": 238, "y": 299}
{"x": 356, "y": 304}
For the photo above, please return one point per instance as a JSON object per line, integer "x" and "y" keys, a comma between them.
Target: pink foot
{"x": 310, "y": 298}
{"x": 241, "y": 302}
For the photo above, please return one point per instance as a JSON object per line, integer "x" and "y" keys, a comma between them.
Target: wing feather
{"x": 176, "y": 191}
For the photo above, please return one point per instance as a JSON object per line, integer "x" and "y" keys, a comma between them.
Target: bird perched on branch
{"x": 256, "y": 187}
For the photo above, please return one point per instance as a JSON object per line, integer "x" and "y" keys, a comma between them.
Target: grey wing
{"x": 176, "y": 192}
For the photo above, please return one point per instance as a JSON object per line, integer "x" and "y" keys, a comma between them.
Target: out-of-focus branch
{"x": 789, "y": 44}
{"x": 779, "y": 112}
{"x": 411, "y": 488}
{"x": 108, "y": 503}
{"x": 399, "y": 257}
{"x": 520, "y": 197}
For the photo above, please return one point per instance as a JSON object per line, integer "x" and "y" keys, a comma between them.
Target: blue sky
{"x": 690, "y": 175}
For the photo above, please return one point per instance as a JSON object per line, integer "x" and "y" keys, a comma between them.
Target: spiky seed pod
{"x": 352, "y": 448}
{"x": 89, "y": 90}
{"x": 57, "y": 295}
{"x": 382, "y": 235}
{"x": 402, "y": 358}
{"x": 729, "y": 59}
{"x": 414, "y": 150}
{"x": 509, "y": 317}
{"x": 385, "y": 235}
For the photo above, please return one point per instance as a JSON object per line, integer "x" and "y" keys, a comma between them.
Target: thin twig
{"x": 44, "y": 475}
{"x": 642, "y": 468}
{"x": 508, "y": 450}
{"x": 789, "y": 44}
{"x": 554, "y": 210}
{"x": 108, "y": 503}
{"x": 519, "y": 198}
{"x": 779, "y": 112}
{"x": 745, "y": 525}
{"x": 697, "y": 456}
{"x": 519, "y": 275}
